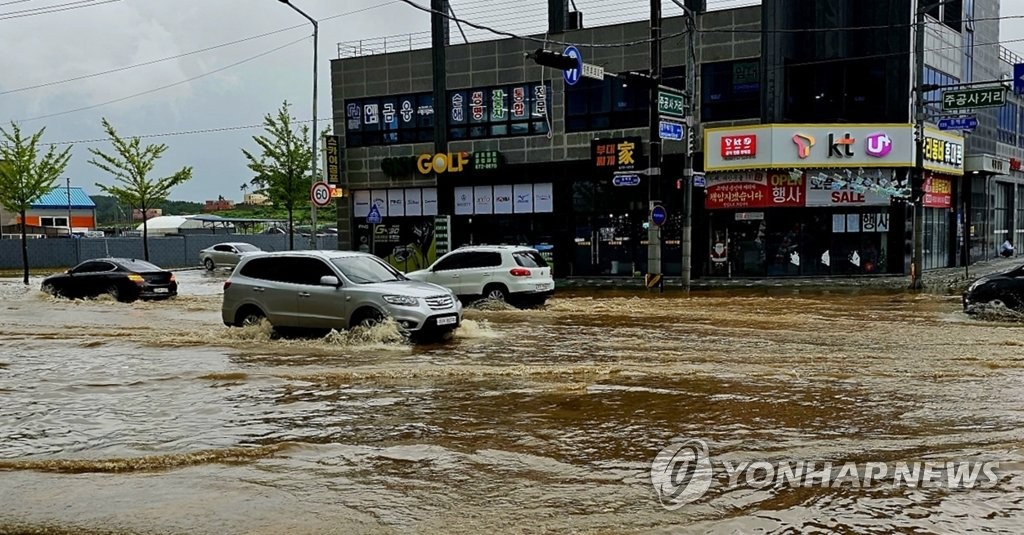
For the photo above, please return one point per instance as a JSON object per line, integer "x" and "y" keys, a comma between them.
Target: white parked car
{"x": 225, "y": 254}
{"x": 503, "y": 272}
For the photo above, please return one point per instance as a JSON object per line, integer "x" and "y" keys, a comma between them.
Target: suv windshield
{"x": 367, "y": 270}
{"x": 529, "y": 259}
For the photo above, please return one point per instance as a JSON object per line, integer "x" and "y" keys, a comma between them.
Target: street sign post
{"x": 670, "y": 130}
{"x": 320, "y": 194}
{"x": 373, "y": 218}
{"x": 572, "y": 76}
{"x": 962, "y": 99}
{"x": 658, "y": 215}
{"x": 1018, "y": 78}
{"x": 958, "y": 123}
{"x": 670, "y": 103}
{"x": 626, "y": 180}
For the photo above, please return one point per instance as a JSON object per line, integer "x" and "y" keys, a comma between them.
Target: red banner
{"x": 737, "y": 190}
{"x": 739, "y": 146}
{"x": 938, "y": 192}
{"x": 786, "y": 189}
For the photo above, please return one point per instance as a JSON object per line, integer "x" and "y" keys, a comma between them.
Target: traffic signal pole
{"x": 654, "y": 161}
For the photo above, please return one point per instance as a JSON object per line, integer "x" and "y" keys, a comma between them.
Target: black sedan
{"x": 1000, "y": 290}
{"x": 124, "y": 279}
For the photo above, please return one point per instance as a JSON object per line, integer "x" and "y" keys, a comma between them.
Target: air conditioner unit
{"x": 575, "y": 21}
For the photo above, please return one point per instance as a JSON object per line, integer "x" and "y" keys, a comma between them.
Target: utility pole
{"x": 692, "y": 144}
{"x": 654, "y": 156}
{"x": 68, "y": 179}
{"x": 917, "y": 181}
{"x": 439, "y": 59}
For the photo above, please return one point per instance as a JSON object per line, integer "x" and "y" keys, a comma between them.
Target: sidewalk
{"x": 945, "y": 280}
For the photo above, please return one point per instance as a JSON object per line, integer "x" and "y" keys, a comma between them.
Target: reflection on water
{"x": 118, "y": 417}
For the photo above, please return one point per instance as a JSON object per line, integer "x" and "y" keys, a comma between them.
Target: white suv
{"x": 504, "y": 272}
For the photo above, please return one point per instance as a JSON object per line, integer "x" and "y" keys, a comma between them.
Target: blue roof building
{"x": 58, "y": 198}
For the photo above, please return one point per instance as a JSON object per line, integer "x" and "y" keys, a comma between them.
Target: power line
{"x": 70, "y": 7}
{"x": 184, "y": 132}
{"x": 531, "y": 38}
{"x": 154, "y": 90}
{"x": 43, "y": 8}
{"x": 185, "y": 54}
{"x": 764, "y": 31}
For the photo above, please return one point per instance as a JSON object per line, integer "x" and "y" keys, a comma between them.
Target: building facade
{"x": 535, "y": 160}
{"x": 53, "y": 211}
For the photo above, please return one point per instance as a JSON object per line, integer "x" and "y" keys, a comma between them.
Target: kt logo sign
{"x": 841, "y": 147}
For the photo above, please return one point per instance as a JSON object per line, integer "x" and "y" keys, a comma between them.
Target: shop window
{"x": 730, "y": 90}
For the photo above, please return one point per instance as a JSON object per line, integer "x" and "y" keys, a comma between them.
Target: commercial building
{"x": 806, "y": 121}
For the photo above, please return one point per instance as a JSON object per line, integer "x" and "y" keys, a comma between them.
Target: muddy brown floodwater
{"x": 155, "y": 418}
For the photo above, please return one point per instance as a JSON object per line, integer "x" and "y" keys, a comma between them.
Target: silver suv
{"x": 321, "y": 290}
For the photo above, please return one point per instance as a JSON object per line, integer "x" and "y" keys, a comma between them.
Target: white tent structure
{"x": 175, "y": 224}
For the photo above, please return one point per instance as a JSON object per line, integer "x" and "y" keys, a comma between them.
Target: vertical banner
{"x": 429, "y": 201}
{"x": 379, "y": 198}
{"x": 543, "y": 201}
{"x": 503, "y": 199}
{"x": 332, "y": 161}
{"x": 464, "y": 200}
{"x": 396, "y": 202}
{"x": 361, "y": 203}
{"x": 483, "y": 200}
{"x": 413, "y": 202}
{"x": 523, "y": 197}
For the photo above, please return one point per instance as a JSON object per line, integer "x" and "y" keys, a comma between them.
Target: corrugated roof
{"x": 58, "y": 198}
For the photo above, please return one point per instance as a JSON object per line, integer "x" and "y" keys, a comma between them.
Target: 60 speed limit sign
{"x": 320, "y": 194}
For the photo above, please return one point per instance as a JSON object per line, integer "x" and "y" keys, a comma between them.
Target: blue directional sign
{"x": 670, "y": 130}
{"x": 626, "y": 180}
{"x": 1018, "y": 78}
{"x": 659, "y": 215}
{"x": 958, "y": 123}
{"x": 373, "y": 218}
{"x": 572, "y": 76}
{"x": 698, "y": 180}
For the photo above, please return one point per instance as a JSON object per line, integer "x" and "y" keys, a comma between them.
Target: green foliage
{"x": 25, "y": 176}
{"x": 131, "y": 164}
{"x": 282, "y": 166}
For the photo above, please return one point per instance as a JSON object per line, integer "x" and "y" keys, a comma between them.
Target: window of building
{"x": 53, "y": 221}
{"x": 933, "y": 110}
{"x": 952, "y": 14}
{"x": 605, "y": 104}
{"x": 730, "y": 90}
{"x": 1007, "y": 124}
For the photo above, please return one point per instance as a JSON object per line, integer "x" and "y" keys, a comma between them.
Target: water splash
{"x": 473, "y": 329}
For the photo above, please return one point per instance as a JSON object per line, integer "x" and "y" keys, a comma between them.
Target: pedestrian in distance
{"x": 1006, "y": 249}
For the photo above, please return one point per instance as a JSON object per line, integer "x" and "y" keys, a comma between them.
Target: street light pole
{"x": 313, "y": 154}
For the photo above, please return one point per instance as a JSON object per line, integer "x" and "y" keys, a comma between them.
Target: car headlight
{"x": 402, "y": 300}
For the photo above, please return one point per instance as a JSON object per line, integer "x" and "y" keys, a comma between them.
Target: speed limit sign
{"x": 320, "y": 194}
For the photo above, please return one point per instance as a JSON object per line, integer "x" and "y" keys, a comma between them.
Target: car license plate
{"x": 543, "y": 286}
{"x": 447, "y": 320}
{"x": 160, "y": 290}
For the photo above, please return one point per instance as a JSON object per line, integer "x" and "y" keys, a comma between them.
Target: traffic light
{"x": 548, "y": 58}
{"x": 639, "y": 79}
{"x": 692, "y": 144}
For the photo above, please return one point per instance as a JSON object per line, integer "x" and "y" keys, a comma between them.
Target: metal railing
{"x": 1008, "y": 56}
{"x": 383, "y": 45}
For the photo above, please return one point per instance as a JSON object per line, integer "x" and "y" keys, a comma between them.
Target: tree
{"x": 25, "y": 177}
{"x": 244, "y": 188}
{"x": 283, "y": 168}
{"x": 131, "y": 165}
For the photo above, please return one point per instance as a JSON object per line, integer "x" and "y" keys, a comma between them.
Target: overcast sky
{"x": 92, "y": 36}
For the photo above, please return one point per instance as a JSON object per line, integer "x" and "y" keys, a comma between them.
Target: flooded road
{"x": 155, "y": 418}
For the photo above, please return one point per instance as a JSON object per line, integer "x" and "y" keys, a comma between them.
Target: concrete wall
{"x": 166, "y": 252}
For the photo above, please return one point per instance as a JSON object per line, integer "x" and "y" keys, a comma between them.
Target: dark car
{"x": 1001, "y": 290}
{"x": 124, "y": 279}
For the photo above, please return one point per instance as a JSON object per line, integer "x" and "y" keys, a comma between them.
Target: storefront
{"x": 807, "y": 200}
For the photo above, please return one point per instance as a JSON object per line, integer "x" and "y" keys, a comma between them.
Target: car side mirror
{"x": 328, "y": 280}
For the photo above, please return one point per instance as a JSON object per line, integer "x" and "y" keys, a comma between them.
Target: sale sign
{"x": 737, "y": 190}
